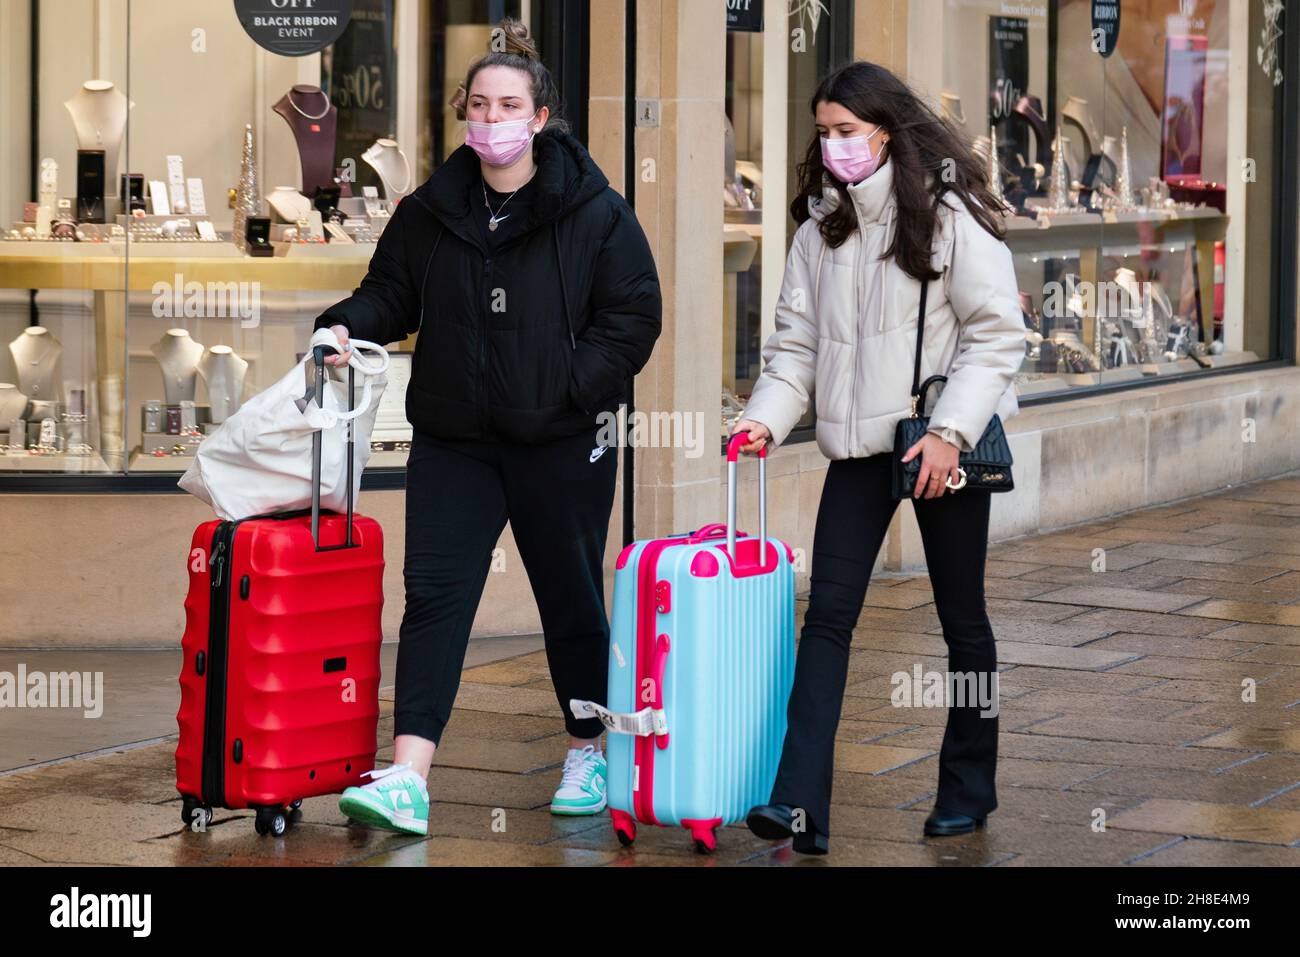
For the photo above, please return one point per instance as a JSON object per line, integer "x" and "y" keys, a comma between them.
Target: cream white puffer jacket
{"x": 846, "y": 329}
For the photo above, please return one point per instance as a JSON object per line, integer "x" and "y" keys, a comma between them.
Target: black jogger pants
{"x": 459, "y": 495}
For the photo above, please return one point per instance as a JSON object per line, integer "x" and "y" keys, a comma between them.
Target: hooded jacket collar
{"x": 566, "y": 178}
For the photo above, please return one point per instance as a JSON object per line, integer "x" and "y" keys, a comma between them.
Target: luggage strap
{"x": 641, "y": 723}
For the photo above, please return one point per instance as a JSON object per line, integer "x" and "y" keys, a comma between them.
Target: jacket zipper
{"x": 484, "y": 305}
{"x": 214, "y": 723}
{"x": 857, "y": 339}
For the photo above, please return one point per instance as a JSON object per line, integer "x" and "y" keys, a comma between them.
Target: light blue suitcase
{"x": 701, "y": 661}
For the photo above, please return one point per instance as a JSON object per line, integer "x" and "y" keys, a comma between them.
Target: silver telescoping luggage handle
{"x": 733, "y": 453}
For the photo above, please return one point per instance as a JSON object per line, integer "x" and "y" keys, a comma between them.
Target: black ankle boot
{"x": 775, "y": 822}
{"x": 943, "y": 823}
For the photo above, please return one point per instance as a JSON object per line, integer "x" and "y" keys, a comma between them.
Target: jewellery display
{"x": 223, "y": 376}
{"x": 257, "y": 236}
{"x": 310, "y": 116}
{"x": 383, "y": 157}
{"x": 36, "y": 355}
{"x": 159, "y": 203}
{"x": 194, "y": 191}
{"x": 189, "y": 418}
{"x": 950, "y": 107}
{"x": 178, "y": 356}
{"x": 176, "y": 184}
{"x": 1075, "y": 111}
{"x": 47, "y": 197}
{"x": 98, "y": 110}
{"x": 73, "y": 423}
{"x": 1030, "y": 110}
{"x": 151, "y": 416}
{"x": 289, "y": 204}
{"x": 12, "y": 405}
{"x": 132, "y": 190}
{"x": 313, "y": 125}
{"x": 17, "y": 434}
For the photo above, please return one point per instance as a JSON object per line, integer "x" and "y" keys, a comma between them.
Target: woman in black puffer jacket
{"x": 537, "y": 299}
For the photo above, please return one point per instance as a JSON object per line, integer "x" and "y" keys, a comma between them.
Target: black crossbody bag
{"x": 986, "y": 466}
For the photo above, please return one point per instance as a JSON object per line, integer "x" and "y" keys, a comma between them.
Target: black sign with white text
{"x": 293, "y": 27}
{"x": 1105, "y": 26}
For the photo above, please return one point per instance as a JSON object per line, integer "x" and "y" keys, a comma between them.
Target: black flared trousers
{"x": 852, "y": 519}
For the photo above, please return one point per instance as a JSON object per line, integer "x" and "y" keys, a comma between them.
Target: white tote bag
{"x": 259, "y": 460}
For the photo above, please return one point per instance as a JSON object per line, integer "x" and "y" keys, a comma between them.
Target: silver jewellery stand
{"x": 318, "y": 354}
{"x": 733, "y": 452}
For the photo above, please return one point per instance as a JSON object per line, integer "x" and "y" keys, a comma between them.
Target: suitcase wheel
{"x": 624, "y": 827}
{"x": 271, "y": 820}
{"x": 705, "y": 838}
{"x": 196, "y": 815}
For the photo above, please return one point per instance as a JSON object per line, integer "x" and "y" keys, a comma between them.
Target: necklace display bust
{"x": 98, "y": 113}
{"x": 178, "y": 355}
{"x": 393, "y": 167}
{"x": 288, "y": 204}
{"x": 223, "y": 375}
{"x": 12, "y": 404}
{"x": 313, "y": 119}
{"x": 36, "y": 355}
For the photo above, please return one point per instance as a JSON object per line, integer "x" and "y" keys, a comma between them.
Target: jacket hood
{"x": 566, "y": 176}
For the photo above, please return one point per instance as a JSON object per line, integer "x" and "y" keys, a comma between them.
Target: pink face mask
{"x": 850, "y": 159}
{"x": 499, "y": 144}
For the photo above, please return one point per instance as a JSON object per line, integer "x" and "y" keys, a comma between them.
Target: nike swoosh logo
{"x": 598, "y": 451}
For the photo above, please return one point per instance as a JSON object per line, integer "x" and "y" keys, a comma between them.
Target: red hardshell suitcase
{"x": 280, "y": 680}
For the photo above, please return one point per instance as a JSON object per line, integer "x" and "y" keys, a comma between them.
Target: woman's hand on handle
{"x": 759, "y": 434}
{"x": 339, "y": 358}
{"x": 938, "y": 465}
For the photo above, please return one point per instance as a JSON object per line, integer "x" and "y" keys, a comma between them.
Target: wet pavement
{"x": 1149, "y": 715}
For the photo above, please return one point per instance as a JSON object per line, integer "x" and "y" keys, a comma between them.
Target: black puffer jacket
{"x": 528, "y": 342}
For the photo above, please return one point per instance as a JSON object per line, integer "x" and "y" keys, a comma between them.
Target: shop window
{"x": 773, "y": 66}
{"x": 159, "y": 152}
{"x": 1134, "y": 143}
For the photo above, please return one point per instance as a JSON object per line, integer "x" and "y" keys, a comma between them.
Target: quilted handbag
{"x": 986, "y": 466}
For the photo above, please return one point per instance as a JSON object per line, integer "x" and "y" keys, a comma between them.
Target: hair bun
{"x": 512, "y": 36}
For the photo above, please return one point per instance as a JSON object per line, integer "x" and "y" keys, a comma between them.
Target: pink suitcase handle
{"x": 733, "y": 452}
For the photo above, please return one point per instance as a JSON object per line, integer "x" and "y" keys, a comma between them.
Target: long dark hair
{"x": 512, "y": 45}
{"x": 919, "y": 143}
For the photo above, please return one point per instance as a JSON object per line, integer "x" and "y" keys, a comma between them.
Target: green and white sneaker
{"x": 396, "y": 799}
{"x": 582, "y": 787}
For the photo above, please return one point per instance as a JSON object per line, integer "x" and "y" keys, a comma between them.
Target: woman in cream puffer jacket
{"x": 846, "y": 329}
{"x": 890, "y": 195}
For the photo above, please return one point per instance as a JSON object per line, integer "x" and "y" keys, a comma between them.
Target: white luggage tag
{"x": 641, "y": 723}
